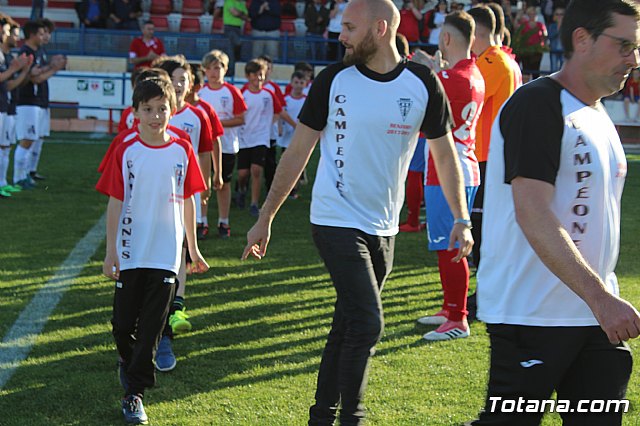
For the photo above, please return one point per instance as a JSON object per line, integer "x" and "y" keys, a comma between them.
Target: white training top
{"x": 294, "y": 106}
{"x": 228, "y": 102}
{"x": 152, "y": 182}
{"x": 545, "y": 133}
{"x": 370, "y": 124}
{"x": 261, "y": 107}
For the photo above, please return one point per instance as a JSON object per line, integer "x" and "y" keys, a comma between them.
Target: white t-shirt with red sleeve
{"x": 261, "y": 107}
{"x": 129, "y": 134}
{"x": 216, "y": 127}
{"x": 127, "y": 120}
{"x": 152, "y": 182}
{"x": 228, "y": 103}
{"x": 464, "y": 87}
{"x": 293, "y": 107}
{"x": 196, "y": 124}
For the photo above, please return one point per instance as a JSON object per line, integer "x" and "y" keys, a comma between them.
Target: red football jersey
{"x": 464, "y": 86}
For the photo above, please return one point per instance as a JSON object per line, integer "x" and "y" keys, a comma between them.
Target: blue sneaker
{"x": 122, "y": 374}
{"x": 133, "y": 410}
{"x": 26, "y": 184}
{"x": 254, "y": 210}
{"x": 165, "y": 359}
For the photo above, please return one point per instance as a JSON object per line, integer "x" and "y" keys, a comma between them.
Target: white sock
{"x": 20, "y": 158}
{"x": 36, "y": 151}
{"x": 205, "y": 221}
{"x": 223, "y": 221}
{"x": 4, "y": 164}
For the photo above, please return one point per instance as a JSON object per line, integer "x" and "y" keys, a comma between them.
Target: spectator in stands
{"x": 555, "y": 43}
{"x": 436, "y": 21}
{"x": 234, "y": 15}
{"x": 335, "y": 50}
{"x": 534, "y": 40}
{"x": 146, "y": 48}
{"x": 410, "y": 18}
{"x": 631, "y": 94}
{"x": 124, "y": 15}
{"x": 93, "y": 13}
{"x": 265, "y": 23}
{"x": 316, "y": 18}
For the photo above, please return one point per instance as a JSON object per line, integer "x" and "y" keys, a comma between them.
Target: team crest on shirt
{"x": 405, "y": 107}
{"x": 265, "y": 102}
{"x": 188, "y": 128}
{"x": 224, "y": 101}
{"x": 178, "y": 171}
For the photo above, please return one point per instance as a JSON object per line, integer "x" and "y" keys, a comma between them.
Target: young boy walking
{"x": 150, "y": 181}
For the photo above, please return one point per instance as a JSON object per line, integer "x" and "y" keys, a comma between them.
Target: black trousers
{"x": 140, "y": 308}
{"x": 579, "y": 363}
{"x": 270, "y": 164}
{"x": 476, "y": 215}
{"x": 359, "y": 264}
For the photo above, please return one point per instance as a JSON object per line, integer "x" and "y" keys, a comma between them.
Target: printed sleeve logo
{"x": 405, "y": 105}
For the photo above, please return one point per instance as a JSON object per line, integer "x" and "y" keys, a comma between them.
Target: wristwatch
{"x": 465, "y": 222}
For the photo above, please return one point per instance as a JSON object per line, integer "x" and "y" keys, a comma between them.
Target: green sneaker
{"x": 11, "y": 188}
{"x": 4, "y": 194}
{"x": 178, "y": 322}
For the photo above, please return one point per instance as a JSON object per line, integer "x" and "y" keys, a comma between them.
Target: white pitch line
{"x": 17, "y": 344}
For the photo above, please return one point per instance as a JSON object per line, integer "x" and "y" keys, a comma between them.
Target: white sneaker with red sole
{"x": 448, "y": 331}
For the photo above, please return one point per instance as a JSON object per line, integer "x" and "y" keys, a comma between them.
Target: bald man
{"x": 364, "y": 139}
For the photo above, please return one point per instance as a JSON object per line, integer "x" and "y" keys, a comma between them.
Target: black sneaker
{"x": 36, "y": 176}
{"x": 202, "y": 231}
{"x": 224, "y": 231}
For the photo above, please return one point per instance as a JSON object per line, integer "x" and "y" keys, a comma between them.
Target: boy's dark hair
{"x": 498, "y": 13}
{"x": 593, "y": 15}
{"x": 31, "y": 28}
{"x": 148, "y": 22}
{"x": 303, "y": 66}
{"x": 151, "y": 73}
{"x": 172, "y": 63}
{"x": 153, "y": 88}
{"x": 484, "y": 17}
{"x": 254, "y": 66}
{"x": 463, "y": 22}
{"x": 299, "y": 75}
{"x": 402, "y": 45}
{"x": 196, "y": 71}
{"x": 48, "y": 24}
{"x": 135, "y": 73}
{"x": 266, "y": 58}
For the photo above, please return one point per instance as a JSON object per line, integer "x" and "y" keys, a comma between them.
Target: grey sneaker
{"x": 133, "y": 410}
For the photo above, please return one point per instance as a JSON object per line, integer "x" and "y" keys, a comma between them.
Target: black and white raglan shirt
{"x": 370, "y": 124}
{"x": 545, "y": 133}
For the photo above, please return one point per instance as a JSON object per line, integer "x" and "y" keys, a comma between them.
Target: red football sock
{"x": 414, "y": 194}
{"x": 455, "y": 284}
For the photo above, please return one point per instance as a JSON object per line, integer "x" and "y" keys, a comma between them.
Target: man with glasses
{"x": 546, "y": 286}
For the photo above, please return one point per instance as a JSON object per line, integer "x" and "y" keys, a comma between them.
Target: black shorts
{"x": 530, "y": 363}
{"x": 228, "y": 163}
{"x": 248, "y": 156}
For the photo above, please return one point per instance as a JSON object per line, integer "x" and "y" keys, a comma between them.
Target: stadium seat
{"x": 218, "y": 26}
{"x": 160, "y": 22}
{"x": 189, "y": 25}
{"x": 161, "y": 7}
{"x": 288, "y": 26}
{"x": 192, "y": 7}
